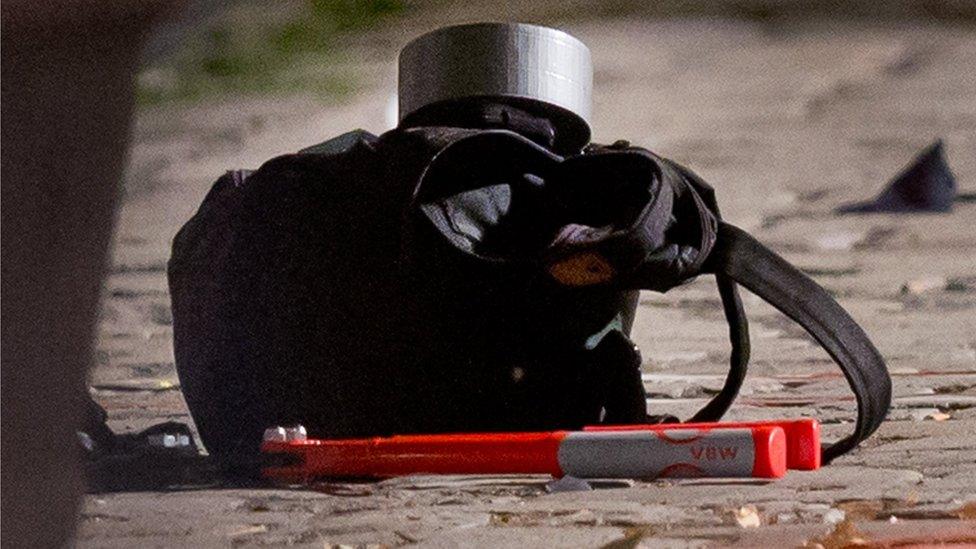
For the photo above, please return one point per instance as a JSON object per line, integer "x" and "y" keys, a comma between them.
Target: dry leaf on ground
{"x": 845, "y": 534}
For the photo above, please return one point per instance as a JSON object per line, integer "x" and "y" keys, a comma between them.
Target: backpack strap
{"x": 737, "y": 257}
{"x": 735, "y": 314}
{"x": 662, "y": 249}
{"x": 735, "y": 317}
{"x": 743, "y": 259}
{"x": 632, "y": 220}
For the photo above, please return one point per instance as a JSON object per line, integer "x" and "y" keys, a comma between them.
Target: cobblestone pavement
{"x": 786, "y": 122}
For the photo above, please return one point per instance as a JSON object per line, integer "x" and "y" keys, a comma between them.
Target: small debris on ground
{"x": 923, "y": 285}
{"x": 845, "y": 534}
{"x": 967, "y": 511}
{"x": 747, "y": 516}
{"x": 568, "y": 484}
{"x": 834, "y": 516}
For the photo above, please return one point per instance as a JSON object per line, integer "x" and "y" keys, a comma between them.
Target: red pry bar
{"x": 677, "y": 451}
{"x": 802, "y": 436}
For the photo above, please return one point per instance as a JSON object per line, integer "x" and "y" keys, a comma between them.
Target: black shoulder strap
{"x": 673, "y": 237}
{"x": 742, "y": 258}
{"x": 738, "y": 257}
{"x": 735, "y": 317}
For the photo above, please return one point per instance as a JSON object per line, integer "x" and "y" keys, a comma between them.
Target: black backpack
{"x": 441, "y": 279}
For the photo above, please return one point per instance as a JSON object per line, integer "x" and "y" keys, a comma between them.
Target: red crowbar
{"x": 676, "y": 451}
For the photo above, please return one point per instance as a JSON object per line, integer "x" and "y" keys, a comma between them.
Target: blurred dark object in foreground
{"x": 926, "y": 185}
{"x": 67, "y": 92}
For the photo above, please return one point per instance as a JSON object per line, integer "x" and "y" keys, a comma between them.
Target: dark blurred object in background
{"x": 926, "y": 185}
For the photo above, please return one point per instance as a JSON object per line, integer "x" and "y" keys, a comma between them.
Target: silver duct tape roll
{"x": 506, "y": 60}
